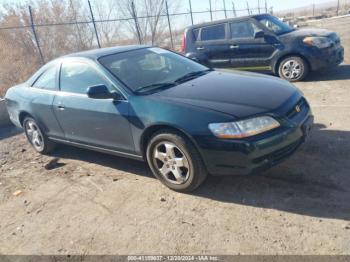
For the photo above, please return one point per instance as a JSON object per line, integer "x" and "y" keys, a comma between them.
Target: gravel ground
{"x": 91, "y": 203}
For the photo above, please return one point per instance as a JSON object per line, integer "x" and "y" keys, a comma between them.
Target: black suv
{"x": 262, "y": 43}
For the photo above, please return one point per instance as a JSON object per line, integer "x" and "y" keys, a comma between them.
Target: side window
{"x": 47, "y": 80}
{"x": 215, "y": 32}
{"x": 196, "y": 34}
{"x": 271, "y": 25}
{"x": 243, "y": 29}
{"x": 77, "y": 77}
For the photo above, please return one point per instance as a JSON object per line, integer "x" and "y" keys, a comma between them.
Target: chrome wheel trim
{"x": 34, "y": 135}
{"x": 171, "y": 163}
{"x": 292, "y": 69}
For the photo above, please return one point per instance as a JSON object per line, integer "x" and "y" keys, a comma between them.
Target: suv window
{"x": 215, "y": 32}
{"x": 243, "y": 29}
{"x": 77, "y": 77}
{"x": 47, "y": 80}
{"x": 196, "y": 34}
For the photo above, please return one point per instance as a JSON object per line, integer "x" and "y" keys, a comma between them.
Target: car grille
{"x": 298, "y": 108}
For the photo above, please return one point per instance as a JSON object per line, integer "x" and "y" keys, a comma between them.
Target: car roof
{"x": 223, "y": 21}
{"x": 93, "y": 54}
{"x": 97, "y": 53}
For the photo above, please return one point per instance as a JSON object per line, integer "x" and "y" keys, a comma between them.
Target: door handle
{"x": 234, "y": 46}
{"x": 200, "y": 48}
{"x": 60, "y": 107}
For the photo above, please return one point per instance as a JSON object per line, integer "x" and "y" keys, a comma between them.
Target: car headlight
{"x": 244, "y": 128}
{"x": 320, "y": 42}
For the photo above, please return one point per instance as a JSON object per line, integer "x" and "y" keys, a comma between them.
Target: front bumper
{"x": 238, "y": 157}
{"x": 329, "y": 57}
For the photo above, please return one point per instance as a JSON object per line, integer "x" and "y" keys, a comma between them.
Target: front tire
{"x": 36, "y": 137}
{"x": 175, "y": 161}
{"x": 293, "y": 68}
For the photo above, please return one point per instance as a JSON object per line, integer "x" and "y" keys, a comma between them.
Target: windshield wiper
{"x": 154, "y": 86}
{"x": 191, "y": 75}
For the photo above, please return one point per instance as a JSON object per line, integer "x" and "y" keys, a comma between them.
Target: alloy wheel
{"x": 291, "y": 69}
{"x": 171, "y": 162}
{"x": 34, "y": 135}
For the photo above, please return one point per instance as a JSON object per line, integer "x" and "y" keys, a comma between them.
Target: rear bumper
{"x": 233, "y": 157}
{"x": 329, "y": 57}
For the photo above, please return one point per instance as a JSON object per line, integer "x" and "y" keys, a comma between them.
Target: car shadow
{"x": 315, "y": 181}
{"x": 9, "y": 131}
{"x": 111, "y": 161}
{"x": 341, "y": 72}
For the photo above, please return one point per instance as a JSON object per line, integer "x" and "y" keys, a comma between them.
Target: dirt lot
{"x": 92, "y": 203}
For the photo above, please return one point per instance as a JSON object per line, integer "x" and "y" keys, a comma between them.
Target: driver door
{"x": 247, "y": 51}
{"x": 97, "y": 122}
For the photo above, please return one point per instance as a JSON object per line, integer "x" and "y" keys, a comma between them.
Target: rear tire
{"x": 293, "y": 69}
{"x": 36, "y": 137}
{"x": 175, "y": 161}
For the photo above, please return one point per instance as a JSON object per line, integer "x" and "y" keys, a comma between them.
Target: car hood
{"x": 239, "y": 94}
{"x": 307, "y": 32}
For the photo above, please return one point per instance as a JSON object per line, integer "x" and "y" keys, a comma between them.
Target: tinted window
{"x": 196, "y": 34}
{"x": 148, "y": 66}
{"x": 274, "y": 24}
{"x": 215, "y": 32}
{"x": 77, "y": 77}
{"x": 243, "y": 29}
{"x": 47, "y": 80}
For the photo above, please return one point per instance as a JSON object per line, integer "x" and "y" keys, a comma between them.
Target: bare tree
{"x": 18, "y": 50}
{"x": 109, "y": 31}
{"x": 151, "y": 18}
{"x": 153, "y": 10}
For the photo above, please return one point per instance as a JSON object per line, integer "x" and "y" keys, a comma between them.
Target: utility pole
{"x": 224, "y": 8}
{"x": 210, "y": 10}
{"x": 34, "y": 33}
{"x": 189, "y": 2}
{"x": 94, "y": 24}
{"x": 234, "y": 9}
{"x": 169, "y": 25}
{"x": 136, "y": 22}
{"x": 338, "y": 7}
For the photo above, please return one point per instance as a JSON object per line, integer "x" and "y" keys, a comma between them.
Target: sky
{"x": 200, "y": 5}
{"x": 278, "y": 5}
{"x": 182, "y": 6}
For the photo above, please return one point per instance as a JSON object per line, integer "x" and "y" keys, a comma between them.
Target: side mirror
{"x": 102, "y": 92}
{"x": 259, "y": 34}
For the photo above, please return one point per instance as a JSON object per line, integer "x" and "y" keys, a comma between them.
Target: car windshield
{"x": 151, "y": 69}
{"x": 274, "y": 24}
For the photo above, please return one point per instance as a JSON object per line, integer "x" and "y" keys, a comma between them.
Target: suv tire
{"x": 293, "y": 68}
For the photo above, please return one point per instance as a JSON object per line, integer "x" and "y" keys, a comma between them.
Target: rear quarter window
{"x": 47, "y": 80}
{"x": 196, "y": 34}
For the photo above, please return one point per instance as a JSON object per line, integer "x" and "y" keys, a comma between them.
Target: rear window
{"x": 215, "y": 32}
